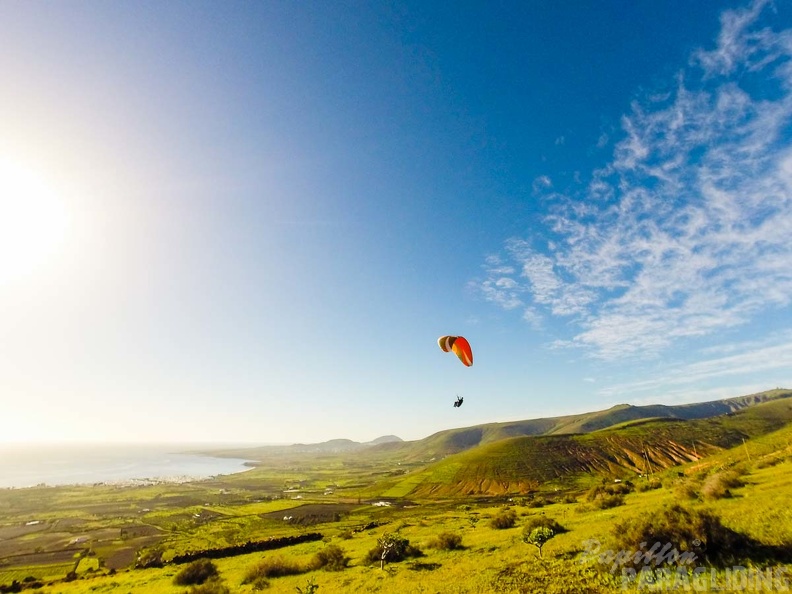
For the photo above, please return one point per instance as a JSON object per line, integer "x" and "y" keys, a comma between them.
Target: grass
{"x": 432, "y": 509}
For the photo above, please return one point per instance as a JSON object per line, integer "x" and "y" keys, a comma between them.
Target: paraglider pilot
{"x": 458, "y": 402}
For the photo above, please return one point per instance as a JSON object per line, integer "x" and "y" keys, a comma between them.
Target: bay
{"x": 27, "y": 465}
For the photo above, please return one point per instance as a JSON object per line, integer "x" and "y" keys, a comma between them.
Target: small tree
{"x": 538, "y": 537}
{"x": 392, "y": 547}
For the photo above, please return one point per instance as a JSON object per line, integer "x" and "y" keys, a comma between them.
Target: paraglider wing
{"x": 459, "y": 345}
{"x": 446, "y": 342}
{"x": 462, "y": 349}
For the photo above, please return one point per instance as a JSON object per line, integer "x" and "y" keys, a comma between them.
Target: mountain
{"x": 385, "y": 439}
{"x": 451, "y": 441}
{"x": 519, "y": 465}
{"x": 333, "y": 446}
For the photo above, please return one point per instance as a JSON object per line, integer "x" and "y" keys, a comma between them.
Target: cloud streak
{"x": 686, "y": 231}
{"x": 744, "y": 360}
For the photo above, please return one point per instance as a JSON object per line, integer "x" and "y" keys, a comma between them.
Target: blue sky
{"x": 251, "y": 221}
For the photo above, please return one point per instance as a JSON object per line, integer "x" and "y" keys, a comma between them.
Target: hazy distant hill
{"x": 333, "y": 446}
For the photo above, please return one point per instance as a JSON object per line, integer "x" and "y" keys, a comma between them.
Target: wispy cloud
{"x": 716, "y": 377}
{"x": 686, "y": 231}
{"x": 542, "y": 183}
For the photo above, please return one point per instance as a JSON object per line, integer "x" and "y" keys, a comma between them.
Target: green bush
{"x": 271, "y": 567}
{"x": 608, "y": 501}
{"x": 693, "y": 531}
{"x": 392, "y": 548}
{"x": 719, "y": 485}
{"x": 649, "y": 485}
{"x": 608, "y": 490}
{"x": 687, "y": 490}
{"x": 537, "y": 502}
{"x": 506, "y": 518}
{"x": 196, "y": 573}
{"x": 149, "y": 558}
{"x": 534, "y": 522}
{"x": 446, "y": 541}
{"x": 330, "y": 558}
{"x": 213, "y": 586}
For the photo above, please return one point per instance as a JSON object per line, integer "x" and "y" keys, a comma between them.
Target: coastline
{"x": 123, "y": 465}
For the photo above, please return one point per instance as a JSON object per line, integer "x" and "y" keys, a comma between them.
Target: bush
{"x": 605, "y": 491}
{"x": 686, "y": 491}
{"x": 149, "y": 558}
{"x": 537, "y": 502}
{"x": 213, "y": 586}
{"x": 608, "y": 501}
{"x": 196, "y": 573}
{"x": 504, "y": 519}
{"x": 330, "y": 558}
{"x": 392, "y": 548}
{"x": 692, "y": 531}
{"x": 719, "y": 485}
{"x": 271, "y": 567}
{"x": 535, "y": 522}
{"x": 446, "y": 541}
{"x": 649, "y": 485}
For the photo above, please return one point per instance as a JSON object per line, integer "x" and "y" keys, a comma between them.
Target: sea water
{"x": 27, "y": 465}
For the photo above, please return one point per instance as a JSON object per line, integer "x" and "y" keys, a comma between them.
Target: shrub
{"x": 196, "y": 573}
{"x": 446, "y": 541}
{"x": 213, "y": 586}
{"x": 608, "y": 501}
{"x": 535, "y": 522}
{"x": 504, "y": 519}
{"x": 149, "y": 558}
{"x": 719, "y": 485}
{"x": 649, "y": 485}
{"x": 392, "y": 548}
{"x": 692, "y": 531}
{"x": 686, "y": 490}
{"x": 605, "y": 491}
{"x": 330, "y": 558}
{"x": 271, "y": 567}
{"x": 537, "y": 502}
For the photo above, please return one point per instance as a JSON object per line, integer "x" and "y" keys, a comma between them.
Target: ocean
{"x": 27, "y": 465}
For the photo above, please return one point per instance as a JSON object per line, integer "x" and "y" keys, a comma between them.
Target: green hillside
{"x": 522, "y": 464}
{"x": 451, "y": 441}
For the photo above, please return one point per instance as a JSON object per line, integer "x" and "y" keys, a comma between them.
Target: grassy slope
{"x": 453, "y": 441}
{"x": 758, "y": 509}
{"x": 521, "y": 464}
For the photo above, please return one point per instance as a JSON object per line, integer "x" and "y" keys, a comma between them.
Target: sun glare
{"x": 33, "y": 221}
